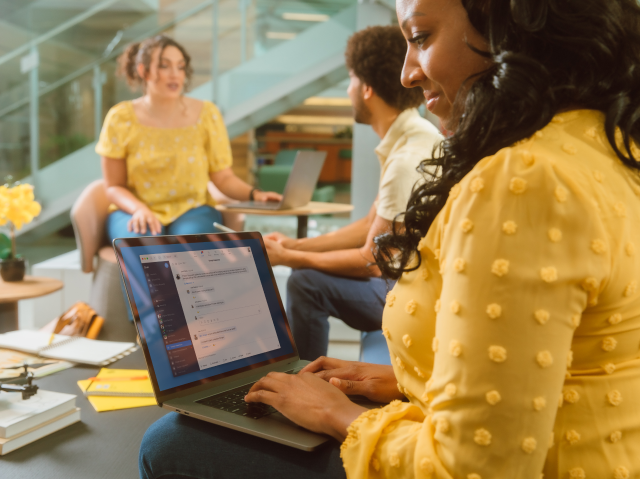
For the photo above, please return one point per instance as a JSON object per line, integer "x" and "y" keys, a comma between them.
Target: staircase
{"x": 248, "y": 94}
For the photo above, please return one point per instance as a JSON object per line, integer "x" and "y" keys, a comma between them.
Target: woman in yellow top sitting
{"x": 514, "y": 327}
{"x": 159, "y": 151}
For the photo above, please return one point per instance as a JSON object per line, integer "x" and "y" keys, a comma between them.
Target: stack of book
{"x": 23, "y": 421}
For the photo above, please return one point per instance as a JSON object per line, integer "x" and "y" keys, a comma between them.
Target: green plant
{"x": 5, "y": 246}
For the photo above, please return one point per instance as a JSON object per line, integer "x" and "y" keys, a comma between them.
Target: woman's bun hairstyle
{"x": 127, "y": 64}
{"x": 141, "y": 52}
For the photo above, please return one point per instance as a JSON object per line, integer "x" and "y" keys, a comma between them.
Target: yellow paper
{"x": 112, "y": 403}
{"x": 137, "y": 388}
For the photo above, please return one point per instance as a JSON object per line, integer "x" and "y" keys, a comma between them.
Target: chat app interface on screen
{"x": 210, "y": 307}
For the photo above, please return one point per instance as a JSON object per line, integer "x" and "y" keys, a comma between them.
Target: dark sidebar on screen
{"x": 170, "y": 317}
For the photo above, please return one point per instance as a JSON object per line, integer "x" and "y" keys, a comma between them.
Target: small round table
{"x": 302, "y": 212}
{"x": 12, "y": 292}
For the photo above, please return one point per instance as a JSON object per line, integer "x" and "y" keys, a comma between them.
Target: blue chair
{"x": 373, "y": 348}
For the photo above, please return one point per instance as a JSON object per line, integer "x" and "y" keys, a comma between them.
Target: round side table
{"x": 302, "y": 212}
{"x": 12, "y": 292}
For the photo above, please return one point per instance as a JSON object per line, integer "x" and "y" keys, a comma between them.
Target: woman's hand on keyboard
{"x": 308, "y": 401}
{"x": 376, "y": 382}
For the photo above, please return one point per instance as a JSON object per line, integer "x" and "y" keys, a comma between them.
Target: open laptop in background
{"x": 211, "y": 323}
{"x": 300, "y": 184}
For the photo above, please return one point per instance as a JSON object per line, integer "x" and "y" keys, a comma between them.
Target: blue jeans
{"x": 313, "y": 296}
{"x": 176, "y": 447}
{"x": 195, "y": 221}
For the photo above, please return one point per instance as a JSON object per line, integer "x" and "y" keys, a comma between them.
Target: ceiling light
{"x": 281, "y": 35}
{"x": 306, "y": 17}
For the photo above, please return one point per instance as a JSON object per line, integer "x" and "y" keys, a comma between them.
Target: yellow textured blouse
{"x": 167, "y": 168}
{"x": 517, "y": 340}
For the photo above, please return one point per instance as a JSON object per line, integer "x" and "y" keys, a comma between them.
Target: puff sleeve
{"x": 216, "y": 143}
{"x": 114, "y": 135}
{"x": 523, "y": 252}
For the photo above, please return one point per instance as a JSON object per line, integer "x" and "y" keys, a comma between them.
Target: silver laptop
{"x": 300, "y": 184}
{"x": 211, "y": 323}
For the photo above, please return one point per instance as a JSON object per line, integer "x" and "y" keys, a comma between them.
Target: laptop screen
{"x": 206, "y": 308}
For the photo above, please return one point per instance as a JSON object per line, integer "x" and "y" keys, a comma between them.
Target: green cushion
{"x": 324, "y": 194}
{"x": 287, "y": 157}
{"x": 273, "y": 177}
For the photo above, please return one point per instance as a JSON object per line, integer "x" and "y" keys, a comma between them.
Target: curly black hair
{"x": 375, "y": 55}
{"x": 547, "y": 56}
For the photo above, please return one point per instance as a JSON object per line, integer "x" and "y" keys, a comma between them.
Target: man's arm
{"x": 354, "y": 235}
{"x": 354, "y": 262}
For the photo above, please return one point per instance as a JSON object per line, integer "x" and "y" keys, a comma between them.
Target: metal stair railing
{"x": 28, "y": 47}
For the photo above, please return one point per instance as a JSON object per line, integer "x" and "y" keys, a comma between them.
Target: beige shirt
{"x": 410, "y": 140}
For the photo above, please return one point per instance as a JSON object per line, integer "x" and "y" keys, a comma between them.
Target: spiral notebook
{"x": 74, "y": 349}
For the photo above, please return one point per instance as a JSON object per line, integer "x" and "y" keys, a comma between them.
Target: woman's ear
{"x": 142, "y": 73}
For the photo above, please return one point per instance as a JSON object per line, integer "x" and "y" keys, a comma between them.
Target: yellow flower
{"x": 17, "y": 205}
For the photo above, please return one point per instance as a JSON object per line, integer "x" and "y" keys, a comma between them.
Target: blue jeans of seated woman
{"x": 195, "y": 221}
{"x": 179, "y": 447}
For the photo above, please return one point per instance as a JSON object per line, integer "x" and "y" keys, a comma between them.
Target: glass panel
{"x": 14, "y": 85}
{"x": 66, "y": 119}
{"x": 40, "y": 16}
{"x": 229, "y": 48}
{"x": 14, "y": 144}
{"x": 195, "y": 34}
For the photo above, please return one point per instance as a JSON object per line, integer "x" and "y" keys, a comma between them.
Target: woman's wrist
{"x": 339, "y": 419}
{"x": 140, "y": 207}
{"x": 252, "y": 194}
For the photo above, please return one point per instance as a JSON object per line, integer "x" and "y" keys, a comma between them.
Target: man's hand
{"x": 308, "y": 401}
{"x": 282, "y": 239}
{"x": 376, "y": 382}
{"x": 276, "y": 252}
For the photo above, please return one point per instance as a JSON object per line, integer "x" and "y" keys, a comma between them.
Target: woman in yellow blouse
{"x": 159, "y": 151}
{"x": 514, "y": 327}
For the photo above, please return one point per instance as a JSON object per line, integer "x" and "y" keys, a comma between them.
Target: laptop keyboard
{"x": 233, "y": 401}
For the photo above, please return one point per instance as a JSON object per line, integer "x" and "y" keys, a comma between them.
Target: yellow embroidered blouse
{"x": 517, "y": 340}
{"x": 167, "y": 168}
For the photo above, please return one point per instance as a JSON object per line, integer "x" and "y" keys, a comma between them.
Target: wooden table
{"x": 302, "y": 212}
{"x": 13, "y": 291}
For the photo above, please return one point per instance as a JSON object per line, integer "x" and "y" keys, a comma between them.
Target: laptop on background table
{"x": 211, "y": 323}
{"x": 300, "y": 184}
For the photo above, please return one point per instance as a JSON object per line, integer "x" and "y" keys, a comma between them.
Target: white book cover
{"x": 29, "y": 341}
{"x": 67, "y": 348}
{"x": 35, "y": 433}
{"x": 17, "y": 414}
{"x": 89, "y": 351}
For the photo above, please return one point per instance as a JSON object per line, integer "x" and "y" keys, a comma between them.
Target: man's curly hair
{"x": 376, "y": 55}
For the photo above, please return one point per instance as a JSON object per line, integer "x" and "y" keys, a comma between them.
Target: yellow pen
{"x": 53, "y": 335}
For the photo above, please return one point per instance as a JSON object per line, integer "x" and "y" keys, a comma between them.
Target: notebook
{"x": 120, "y": 387}
{"x": 75, "y": 349}
{"x": 17, "y": 414}
{"x": 113, "y": 403}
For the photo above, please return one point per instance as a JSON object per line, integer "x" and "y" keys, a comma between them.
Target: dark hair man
{"x": 333, "y": 275}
